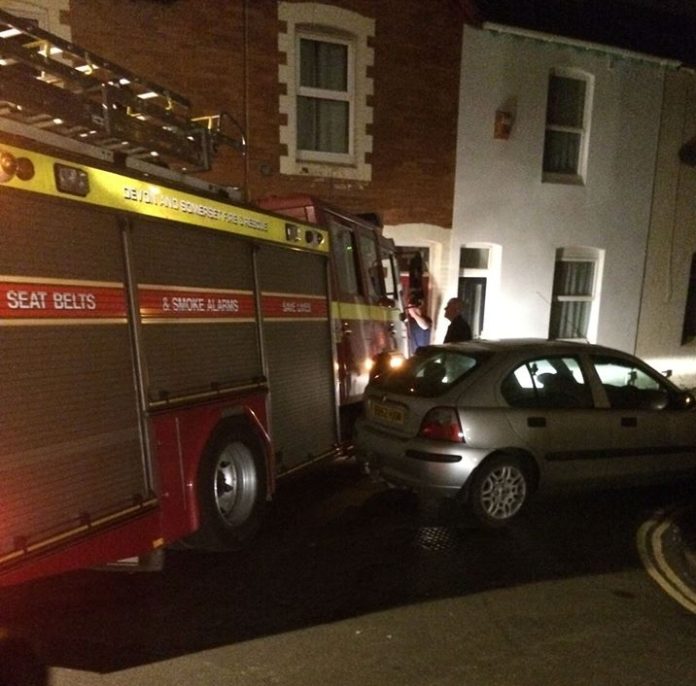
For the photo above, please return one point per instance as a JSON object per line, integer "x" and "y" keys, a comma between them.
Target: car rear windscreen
{"x": 429, "y": 373}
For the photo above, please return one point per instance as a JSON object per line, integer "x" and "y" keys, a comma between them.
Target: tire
{"x": 19, "y": 664}
{"x": 499, "y": 491}
{"x": 231, "y": 491}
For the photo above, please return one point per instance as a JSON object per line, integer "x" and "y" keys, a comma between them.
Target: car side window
{"x": 629, "y": 387}
{"x": 548, "y": 382}
{"x": 371, "y": 266}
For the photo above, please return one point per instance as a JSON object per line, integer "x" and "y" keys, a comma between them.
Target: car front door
{"x": 652, "y": 434}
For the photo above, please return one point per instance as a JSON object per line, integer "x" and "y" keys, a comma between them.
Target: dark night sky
{"x": 664, "y": 28}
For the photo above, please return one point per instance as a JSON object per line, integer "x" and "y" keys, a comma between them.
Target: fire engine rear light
{"x": 71, "y": 180}
{"x": 25, "y": 169}
{"x": 11, "y": 166}
{"x": 8, "y": 166}
{"x": 313, "y": 237}
{"x": 292, "y": 233}
{"x": 442, "y": 424}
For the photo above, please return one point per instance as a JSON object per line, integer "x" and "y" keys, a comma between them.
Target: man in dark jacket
{"x": 459, "y": 329}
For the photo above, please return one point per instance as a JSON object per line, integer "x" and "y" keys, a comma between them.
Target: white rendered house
{"x": 566, "y": 169}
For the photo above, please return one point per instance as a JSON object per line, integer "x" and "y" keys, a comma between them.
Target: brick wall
{"x": 198, "y": 49}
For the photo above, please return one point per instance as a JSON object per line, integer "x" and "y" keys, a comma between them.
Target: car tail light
{"x": 442, "y": 424}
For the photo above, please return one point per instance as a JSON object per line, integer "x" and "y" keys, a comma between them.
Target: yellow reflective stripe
{"x": 119, "y": 192}
{"x": 360, "y": 311}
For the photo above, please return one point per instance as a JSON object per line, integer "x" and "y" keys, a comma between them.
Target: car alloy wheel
{"x": 499, "y": 491}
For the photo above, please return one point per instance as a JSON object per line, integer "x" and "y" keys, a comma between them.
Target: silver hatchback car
{"x": 488, "y": 423}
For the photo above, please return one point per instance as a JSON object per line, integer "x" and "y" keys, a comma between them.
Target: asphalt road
{"x": 349, "y": 585}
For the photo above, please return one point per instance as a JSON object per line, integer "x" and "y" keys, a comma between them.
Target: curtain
{"x": 322, "y": 123}
{"x": 565, "y": 109}
{"x": 570, "y": 318}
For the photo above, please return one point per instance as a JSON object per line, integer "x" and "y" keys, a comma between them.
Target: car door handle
{"x": 629, "y": 422}
{"x": 536, "y": 422}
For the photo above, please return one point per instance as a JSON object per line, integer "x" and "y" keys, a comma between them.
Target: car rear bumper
{"x": 431, "y": 468}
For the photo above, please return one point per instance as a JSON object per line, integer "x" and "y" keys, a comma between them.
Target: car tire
{"x": 499, "y": 491}
{"x": 231, "y": 491}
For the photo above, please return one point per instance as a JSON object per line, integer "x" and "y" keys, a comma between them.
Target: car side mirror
{"x": 685, "y": 401}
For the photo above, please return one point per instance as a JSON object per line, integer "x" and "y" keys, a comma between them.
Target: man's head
{"x": 453, "y": 308}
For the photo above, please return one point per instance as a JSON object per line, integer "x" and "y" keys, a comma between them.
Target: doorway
{"x": 472, "y": 291}
{"x": 473, "y": 278}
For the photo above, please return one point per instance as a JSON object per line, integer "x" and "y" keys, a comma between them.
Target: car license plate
{"x": 388, "y": 413}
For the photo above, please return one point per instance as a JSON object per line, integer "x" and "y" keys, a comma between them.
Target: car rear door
{"x": 551, "y": 408}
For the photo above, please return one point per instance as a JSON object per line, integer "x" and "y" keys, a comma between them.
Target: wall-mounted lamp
{"x": 503, "y": 125}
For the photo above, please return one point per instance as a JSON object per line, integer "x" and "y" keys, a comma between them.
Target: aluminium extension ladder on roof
{"x": 51, "y": 84}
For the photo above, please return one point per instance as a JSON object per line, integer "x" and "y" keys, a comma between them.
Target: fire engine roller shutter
{"x": 70, "y": 450}
{"x": 297, "y": 341}
{"x": 199, "y": 325}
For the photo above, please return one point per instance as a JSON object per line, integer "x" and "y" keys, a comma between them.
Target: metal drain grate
{"x": 436, "y": 538}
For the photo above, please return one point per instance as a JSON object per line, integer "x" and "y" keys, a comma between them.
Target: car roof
{"x": 534, "y": 345}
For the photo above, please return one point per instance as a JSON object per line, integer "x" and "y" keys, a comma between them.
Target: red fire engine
{"x": 366, "y": 303}
{"x": 167, "y": 353}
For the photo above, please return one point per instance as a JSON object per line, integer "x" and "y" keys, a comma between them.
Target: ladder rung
{"x": 56, "y": 86}
{"x": 84, "y": 57}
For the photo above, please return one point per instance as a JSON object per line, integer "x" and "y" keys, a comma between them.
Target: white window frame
{"x": 689, "y": 324}
{"x": 495, "y": 319}
{"x": 580, "y": 175}
{"x": 46, "y": 13}
{"x": 323, "y": 94}
{"x": 582, "y": 254}
{"x": 328, "y": 23}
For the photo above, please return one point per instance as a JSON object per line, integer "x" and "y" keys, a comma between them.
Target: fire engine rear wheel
{"x": 231, "y": 491}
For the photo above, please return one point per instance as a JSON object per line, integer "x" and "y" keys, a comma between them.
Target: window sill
{"x": 328, "y": 158}
{"x": 563, "y": 179}
{"x": 333, "y": 170}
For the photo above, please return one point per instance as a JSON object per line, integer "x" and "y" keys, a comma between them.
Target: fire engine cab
{"x": 366, "y": 302}
{"x": 168, "y": 352}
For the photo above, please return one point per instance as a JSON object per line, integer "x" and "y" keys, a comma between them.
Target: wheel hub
{"x": 236, "y": 484}
{"x": 503, "y": 492}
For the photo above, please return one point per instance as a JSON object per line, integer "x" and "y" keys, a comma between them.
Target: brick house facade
{"x": 226, "y": 55}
